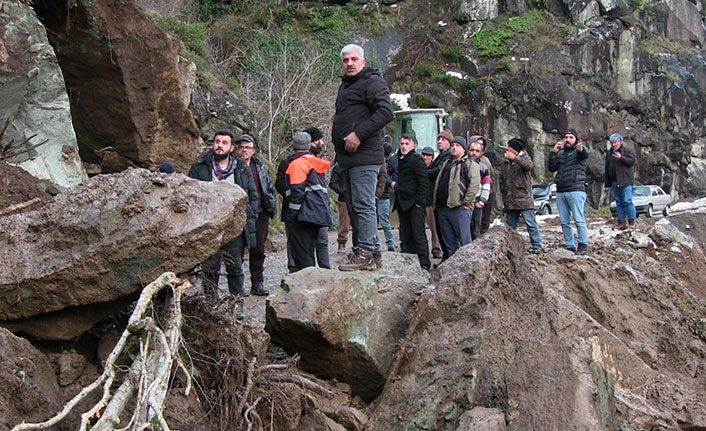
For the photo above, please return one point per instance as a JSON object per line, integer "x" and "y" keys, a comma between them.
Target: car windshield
{"x": 539, "y": 191}
{"x": 642, "y": 191}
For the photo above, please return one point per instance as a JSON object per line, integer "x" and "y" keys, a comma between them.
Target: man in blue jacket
{"x": 363, "y": 108}
{"x": 568, "y": 160}
{"x": 220, "y": 164}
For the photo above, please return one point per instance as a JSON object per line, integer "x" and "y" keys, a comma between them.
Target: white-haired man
{"x": 363, "y": 108}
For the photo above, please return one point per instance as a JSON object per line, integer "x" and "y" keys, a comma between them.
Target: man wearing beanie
{"x": 455, "y": 191}
{"x": 443, "y": 144}
{"x": 308, "y": 202}
{"x": 516, "y": 190}
{"x": 317, "y": 148}
{"x": 568, "y": 160}
{"x": 619, "y": 162}
{"x": 363, "y": 107}
{"x": 220, "y": 164}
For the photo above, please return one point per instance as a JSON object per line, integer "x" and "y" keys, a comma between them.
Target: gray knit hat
{"x": 301, "y": 141}
{"x": 460, "y": 140}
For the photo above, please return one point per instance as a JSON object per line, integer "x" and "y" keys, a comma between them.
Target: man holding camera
{"x": 568, "y": 160}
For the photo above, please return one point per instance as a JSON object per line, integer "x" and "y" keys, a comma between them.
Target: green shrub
{"x": 453, "y": 53}
{"x": 194, "y": 35}
{"x": 491, "y": 41}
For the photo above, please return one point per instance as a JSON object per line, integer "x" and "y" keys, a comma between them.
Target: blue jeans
{"x": 572, "y": 204}
{"x": 361, "y": 182}
{"x": 383, "y": 210}
{"x": 455, "y": 224}
{"x": 623, "y": 202}
{"x": 513, "y": 216}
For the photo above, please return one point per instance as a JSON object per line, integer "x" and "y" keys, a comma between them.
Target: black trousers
{"x": 256, "y": 255}
{"x": 476, "y": 221}
{"x": 413, "y": 235}
{"x": 487, "y": 213}
{"x": 301, "y": 242}
{"x": 232, "y": 255}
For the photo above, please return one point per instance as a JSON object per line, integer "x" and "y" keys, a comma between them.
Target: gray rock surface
{"x": 33, "y": 97}
{"x": 482, "y": 419}
{"x": 109, "y": 237}
{"x": 346, "y": 325}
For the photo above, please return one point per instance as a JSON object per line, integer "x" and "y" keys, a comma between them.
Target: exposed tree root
{"x": 149, "y": 373}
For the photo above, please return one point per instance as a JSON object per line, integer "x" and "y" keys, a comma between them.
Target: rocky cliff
{"x": 536, "y": 68}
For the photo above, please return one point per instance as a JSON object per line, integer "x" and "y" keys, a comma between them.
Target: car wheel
{"x": 544, "y": 210}
{"x": 649, "y": 212}
{"x": 665, "y": 211}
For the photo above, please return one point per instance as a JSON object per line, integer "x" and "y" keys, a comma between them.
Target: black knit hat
{"x": 315, "y": 133}
{"x": 460, "y": 140}
{"x": 517, "y": 143}
{"x": 572, "y": 132}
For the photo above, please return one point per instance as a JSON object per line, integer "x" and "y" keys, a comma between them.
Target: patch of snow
{"x": 442, "y": 23}
{"x": 455, "y": 74}
{"x": 402, "y": 100}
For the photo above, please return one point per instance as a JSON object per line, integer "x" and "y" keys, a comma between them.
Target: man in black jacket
{"x": 568, "y": 160}
{"x": 443, "y": 144}
{"x": 220, "y": 164}
{"x": 411, "y": 193}
{"x": 266, "y": 210}
{"x": 363, "y": 108}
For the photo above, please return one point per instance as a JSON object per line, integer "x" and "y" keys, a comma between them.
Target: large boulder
{"x": 33, "y": 97}
{"x": 346, "y": 325}
{"x": 125, "y": 84}
{"x": 549, "y": 343}
{"x": 28, "y": 387}
{"x": 111, "y": 235}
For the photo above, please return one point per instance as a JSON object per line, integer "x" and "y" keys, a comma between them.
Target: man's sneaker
{"x": 571, "y": 249}
{"x": 258, "y": 289}
{"x": 377, "y": 258}
{"x": 437, "y": 254}
{"x": 362, "y": 260}
{"x": 536, "y": 250}
{"x": 582, "y": 249}
{"x": 341, "y": 248}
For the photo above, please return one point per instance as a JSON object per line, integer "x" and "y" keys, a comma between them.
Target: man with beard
{"x": 619, "y": 162}
{"x": 363, "y": 108}
{"x": 220, "y": 164}
{"x": 568, "y": 160}
{"x": 475, "y": 151}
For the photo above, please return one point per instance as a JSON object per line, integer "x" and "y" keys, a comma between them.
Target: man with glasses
{"x": 266, "y": 198}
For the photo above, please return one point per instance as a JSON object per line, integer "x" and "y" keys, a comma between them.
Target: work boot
{"x": 582, "y": 249}
{"x": 341, "y": 248}
{"x": 571, "y": 249}
{"x": 362, "y": 260}
{"x": 258, "y": 289}
{"x": 377, "y": 258}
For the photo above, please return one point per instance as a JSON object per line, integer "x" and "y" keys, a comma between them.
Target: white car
{"x": 648, "y": 200}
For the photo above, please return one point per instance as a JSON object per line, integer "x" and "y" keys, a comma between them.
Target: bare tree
{"x": 290, "y": 86}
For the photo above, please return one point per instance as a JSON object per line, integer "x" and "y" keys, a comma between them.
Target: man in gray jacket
{"x": 619, "y": 174}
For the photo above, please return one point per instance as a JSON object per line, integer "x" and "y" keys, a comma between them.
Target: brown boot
{"x": 632, "y": 222}
{"x": 361, "y": 260}
{"x": 623, "y": 226}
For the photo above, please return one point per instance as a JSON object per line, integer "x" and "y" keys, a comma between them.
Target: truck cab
{"x": 424, "y": 124}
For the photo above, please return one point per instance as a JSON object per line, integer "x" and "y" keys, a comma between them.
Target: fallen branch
{"x": 19, "y": 206}
{"x": 158, "y": 359}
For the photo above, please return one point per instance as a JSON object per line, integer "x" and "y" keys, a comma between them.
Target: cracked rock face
{"x": 346, "y": 325}
{"x": 33, "y": 97}
{"x": 110, "y": 236}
